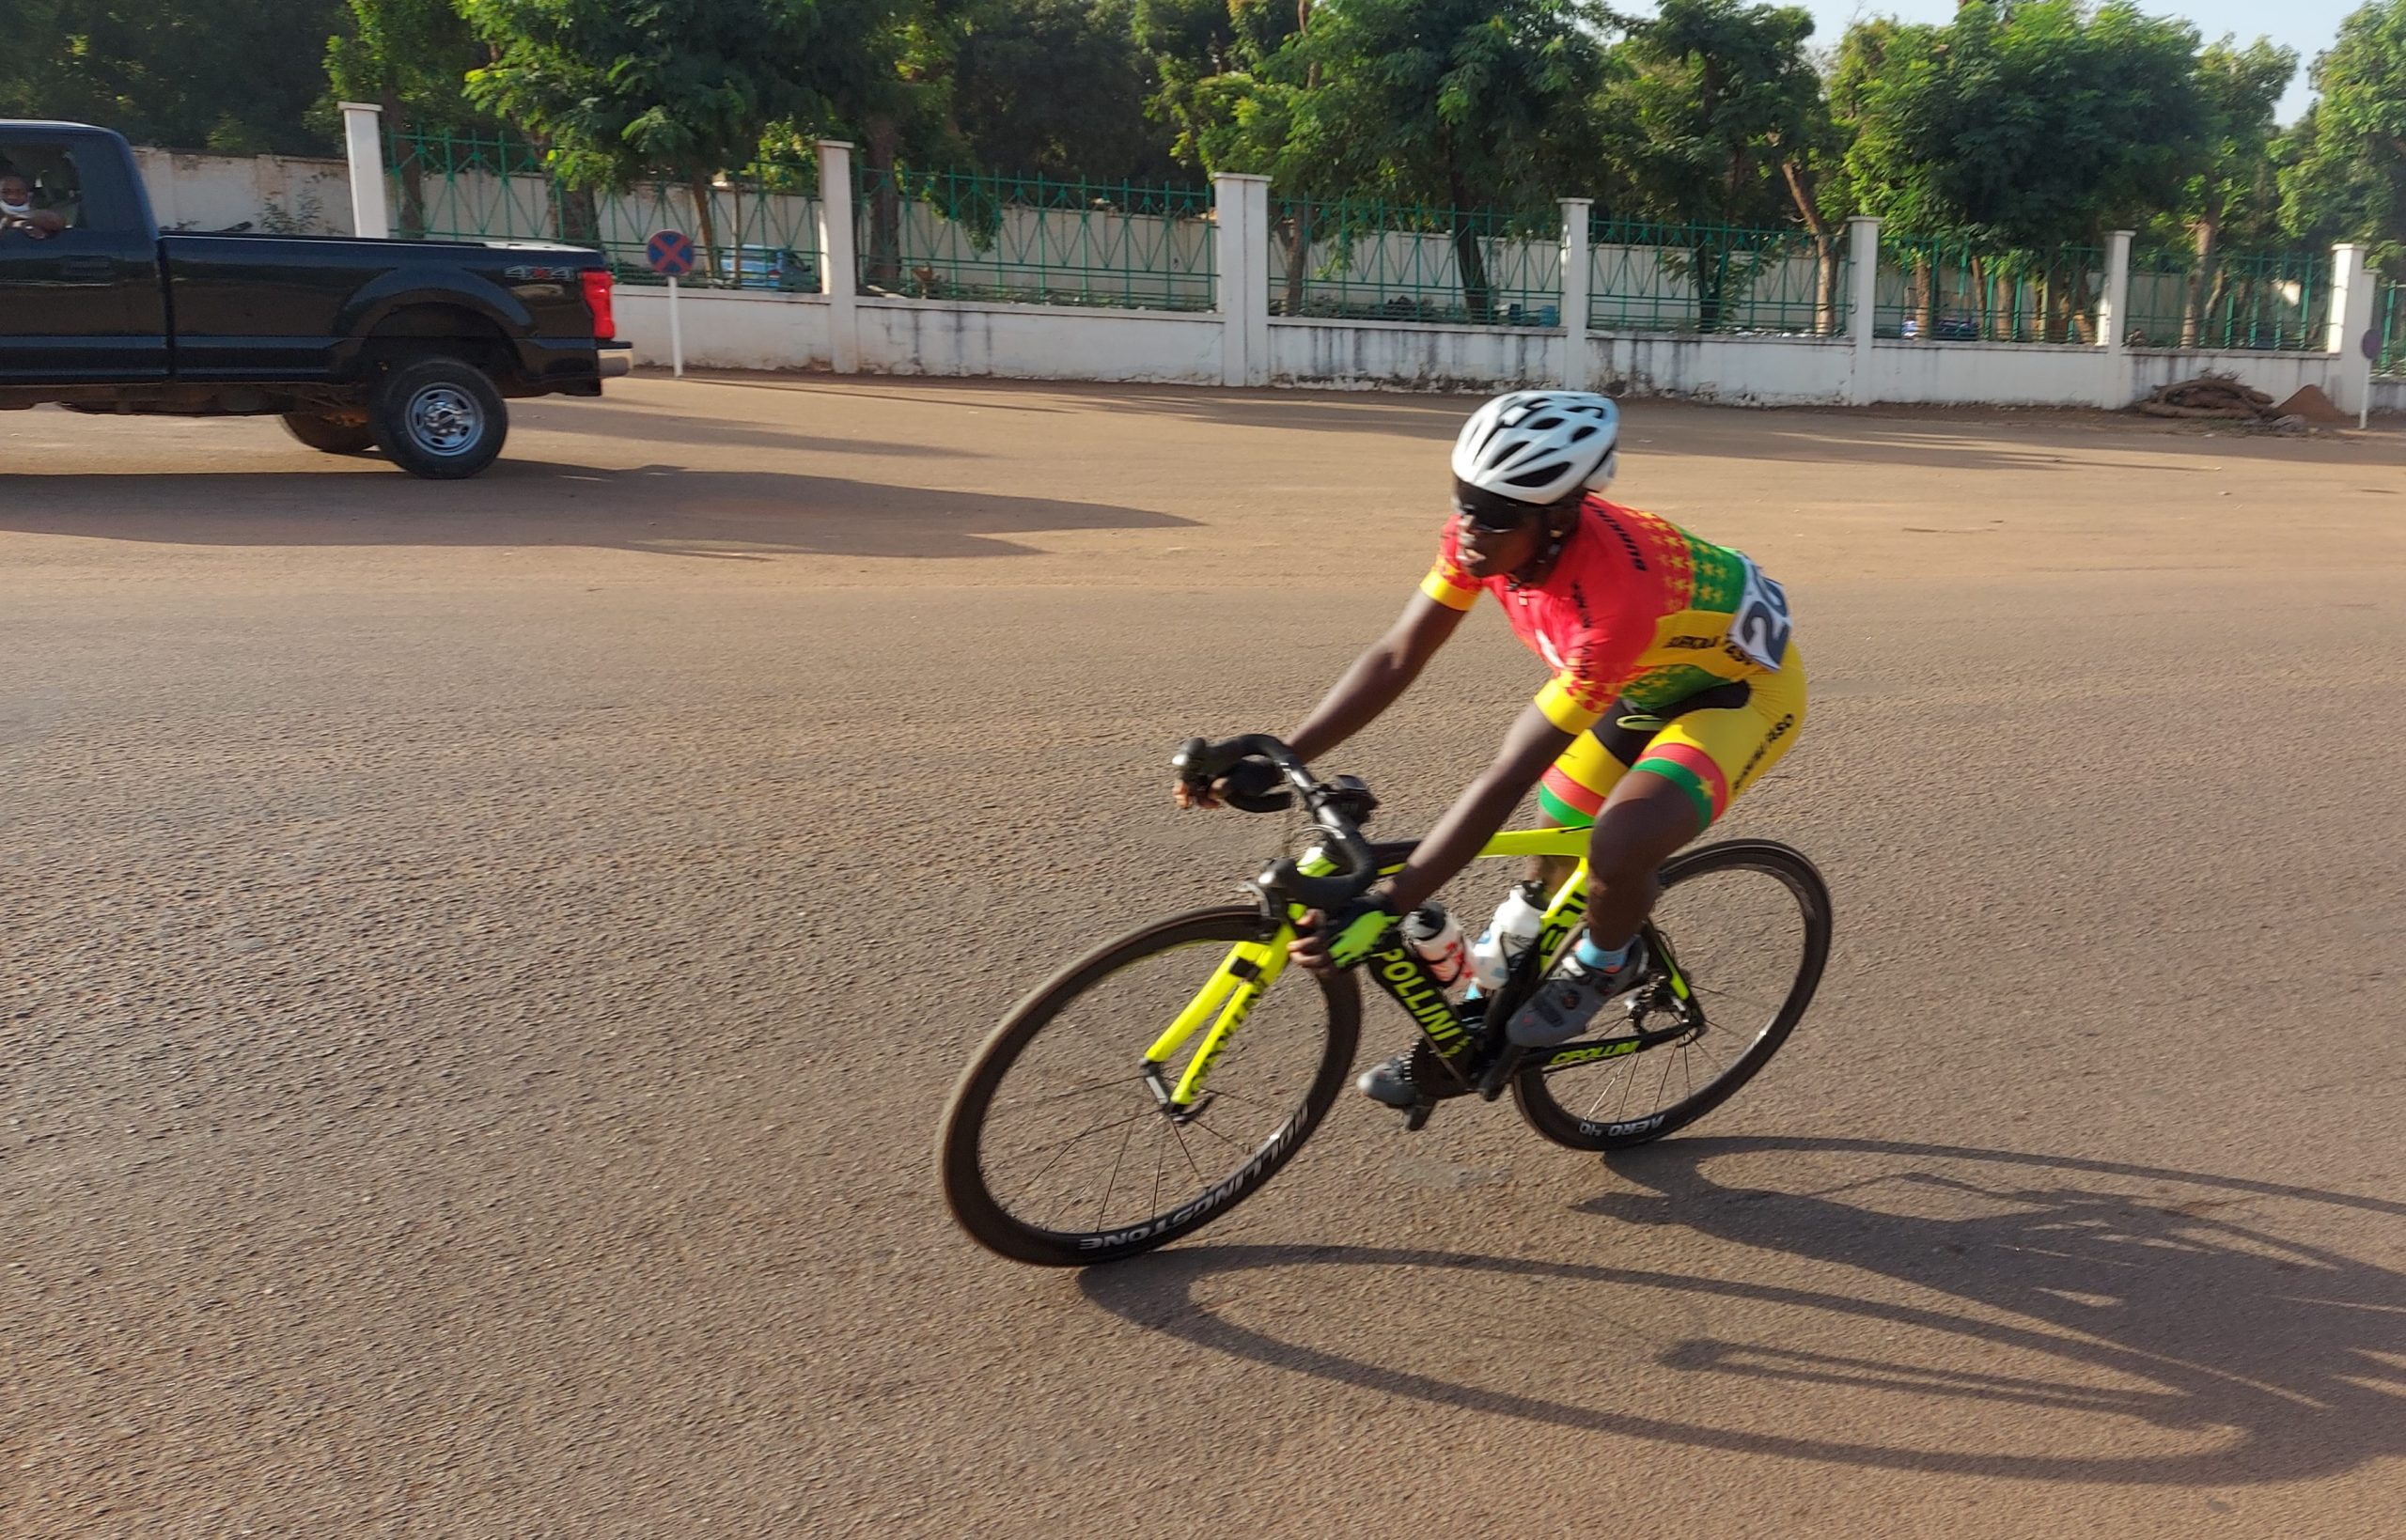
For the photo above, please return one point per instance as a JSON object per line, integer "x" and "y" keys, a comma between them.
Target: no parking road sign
{"x": 670, "y": 253}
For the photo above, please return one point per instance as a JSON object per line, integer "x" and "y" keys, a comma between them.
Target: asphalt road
{"x": 485, "y": 963}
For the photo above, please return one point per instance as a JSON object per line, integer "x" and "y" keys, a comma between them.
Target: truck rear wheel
{"x": 330, "y": 435}
{"x": 440, "y": 418}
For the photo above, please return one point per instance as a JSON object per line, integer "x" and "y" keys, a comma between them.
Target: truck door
{"x": 80, "y": 300}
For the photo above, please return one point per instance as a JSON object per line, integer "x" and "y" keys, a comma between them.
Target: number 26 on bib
{"x": 1761, "y": 626}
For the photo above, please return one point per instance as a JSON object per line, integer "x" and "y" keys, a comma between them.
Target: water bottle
{"x": 1438, "y": 937}
{"x": 1512, "y": 931}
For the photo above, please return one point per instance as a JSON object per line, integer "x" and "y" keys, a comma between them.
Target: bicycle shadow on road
{"x": 663, "y": 510}
{"x": 2181, "y": 1315}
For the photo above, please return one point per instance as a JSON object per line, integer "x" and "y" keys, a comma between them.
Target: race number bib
{"x": 1761, "y": 625}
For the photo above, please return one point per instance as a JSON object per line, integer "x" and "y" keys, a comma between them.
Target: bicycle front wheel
{"x": 1059, "y": 1149}
{"x": 1749, "y": 923}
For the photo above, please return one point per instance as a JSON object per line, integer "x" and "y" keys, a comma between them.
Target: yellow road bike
{"x": 1158, "y": 1082}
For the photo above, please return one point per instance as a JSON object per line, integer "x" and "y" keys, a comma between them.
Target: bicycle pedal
{"x": 1417, "y": 1118}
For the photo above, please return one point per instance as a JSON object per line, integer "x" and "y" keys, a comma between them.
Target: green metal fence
{"x": 1646, "y": 277}
{"x": 1947, "y": 291}
{"x": 1370, "y": 260}
{"x": 1031, "y": 240}
{"x": 759, "y": 229}
{"x": 2392, "y": 320}
{"x": 2272, "y": 301}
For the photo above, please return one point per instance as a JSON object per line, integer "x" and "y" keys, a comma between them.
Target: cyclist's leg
{"x": 1686, "y": 778}
{"x": 1574, "y": 791}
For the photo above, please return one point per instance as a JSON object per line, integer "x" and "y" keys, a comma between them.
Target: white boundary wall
{"x": 1242, "y": 344}
{"x": 213, "y": 192}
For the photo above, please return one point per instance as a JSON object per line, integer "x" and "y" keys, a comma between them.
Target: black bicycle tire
{"x": 986, "y": 1221}
{"x": 1556, "y": 1123}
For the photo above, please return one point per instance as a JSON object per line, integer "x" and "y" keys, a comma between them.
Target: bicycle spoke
{"x": 1180, "y": 1135}
{"x": 1201, "y": 1127}
{"x": 1051, "y": 1096}
{"x": 1102, "y": 1210}
{"x": 1159, "y": 1140}
{"x": 1764, "y": 1006}
{"x": 1060, "y": 1144}
{"x": 1065, "y": 1145}
{"x": 1056, "y": 1162}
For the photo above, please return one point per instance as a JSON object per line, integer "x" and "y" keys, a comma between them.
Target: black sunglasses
{"x": 1497, "y": 520}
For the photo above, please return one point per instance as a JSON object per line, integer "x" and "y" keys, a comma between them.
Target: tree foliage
{"x": 1705, "y": 105}
{"x": 1463, "y": 103}
{"x": 191, "y": 74}
{"x": 2023, "y": 125}
{"x": 2345, "y": 176}
{"x": 1058, "y": 89}
{"x": 2016, "y": 123}
{"x": 412, "y": 57}
{"x": 617, "y": 91}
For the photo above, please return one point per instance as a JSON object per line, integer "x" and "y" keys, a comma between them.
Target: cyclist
{"x": 1674, "y": 685}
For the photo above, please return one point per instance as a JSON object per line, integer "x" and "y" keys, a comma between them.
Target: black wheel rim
{"x": 1747, "y": 933}
{"x": 1074, "y": 1143}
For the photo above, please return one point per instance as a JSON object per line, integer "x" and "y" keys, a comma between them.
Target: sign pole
{"x": 670, "y": 253}
{"x": 675, "y": 333}
{"x": 2371, "y": 350}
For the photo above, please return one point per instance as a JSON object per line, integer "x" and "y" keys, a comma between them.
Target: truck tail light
{"x": 596, "y": 299}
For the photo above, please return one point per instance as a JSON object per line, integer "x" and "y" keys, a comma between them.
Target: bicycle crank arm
{"x": 1500, "y": 1072}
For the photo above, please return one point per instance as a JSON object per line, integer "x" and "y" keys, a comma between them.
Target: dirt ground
{"x": 486, "y": 962}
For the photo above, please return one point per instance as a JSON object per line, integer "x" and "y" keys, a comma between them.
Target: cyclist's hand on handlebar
{"x": 1250, "y": 783}
{"x": 1327, "y": 943}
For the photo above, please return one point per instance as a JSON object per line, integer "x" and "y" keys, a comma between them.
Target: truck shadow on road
{"x": 660, "y": 510}
{"x": 2199, "y": 1341}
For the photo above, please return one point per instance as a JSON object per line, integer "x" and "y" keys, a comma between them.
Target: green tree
{"x": 2345, "y": 172}
{"x": 1205, "y": 55}
{"x": 192, "y": 75}
{"x": 882, "y": 74}
{"x": 410, "y": 58}
{"x": 2232, "y": 196}
{"x": 1057, "y": 89}
{"x": 1716, "y": 117}
{"x": 1473, "y": 105}
{"x": 2024, "y": 126}
{"x": 617, "y": 92}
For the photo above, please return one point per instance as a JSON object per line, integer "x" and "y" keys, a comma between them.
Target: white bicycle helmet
{"x": 1540, "y": 445}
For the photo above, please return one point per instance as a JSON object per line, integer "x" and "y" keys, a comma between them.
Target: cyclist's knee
{"x": 1616, "y": 861}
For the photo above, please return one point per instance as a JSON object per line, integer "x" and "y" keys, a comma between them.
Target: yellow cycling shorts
{"x": 1712, "y": 746}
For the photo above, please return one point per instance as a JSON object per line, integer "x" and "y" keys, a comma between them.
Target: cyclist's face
{"x": 1485, "y": 552}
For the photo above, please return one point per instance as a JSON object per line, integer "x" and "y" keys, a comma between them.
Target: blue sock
{"x": 1592, "y": 956}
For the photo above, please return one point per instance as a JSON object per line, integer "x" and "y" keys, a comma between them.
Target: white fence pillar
{"x": 1863, "y": 251}
{"x": 1577, "y": 358}
{"x": 363, "y": 139}
{"x": 2354, "y": 294}
{"x": 2114, "y": 323}
{"x": 1243, "y": 205}
{"x": 2114, "y": 310}
{"x": 839, "y": 266}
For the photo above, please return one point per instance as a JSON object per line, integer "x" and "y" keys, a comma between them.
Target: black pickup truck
{"x": 407, "y": 346}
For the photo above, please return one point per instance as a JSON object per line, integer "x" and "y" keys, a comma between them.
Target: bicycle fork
{"x": 1250, "y": 968}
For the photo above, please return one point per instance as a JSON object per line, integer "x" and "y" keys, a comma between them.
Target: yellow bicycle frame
{"x": 1251, "y": 967}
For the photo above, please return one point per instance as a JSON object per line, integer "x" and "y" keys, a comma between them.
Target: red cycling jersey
{"x": 1636, "y": 607}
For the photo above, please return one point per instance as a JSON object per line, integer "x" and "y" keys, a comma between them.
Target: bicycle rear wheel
{"x": 1749, "y": 923}
{"x": 1056, "y": 1147}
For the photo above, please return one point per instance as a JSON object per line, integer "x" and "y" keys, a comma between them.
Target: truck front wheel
{"x": 439, "y": 418}
{"x": 330, "y": 435}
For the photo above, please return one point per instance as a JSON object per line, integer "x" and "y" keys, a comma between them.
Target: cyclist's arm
{"x": 1535, "y": 742}
{"x": 1379, "y": 678}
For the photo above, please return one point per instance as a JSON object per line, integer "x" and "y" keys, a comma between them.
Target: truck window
{"x": 45, "y": 190}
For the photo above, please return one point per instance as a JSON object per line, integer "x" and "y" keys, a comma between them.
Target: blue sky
{"x": 2305, "y": 25}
